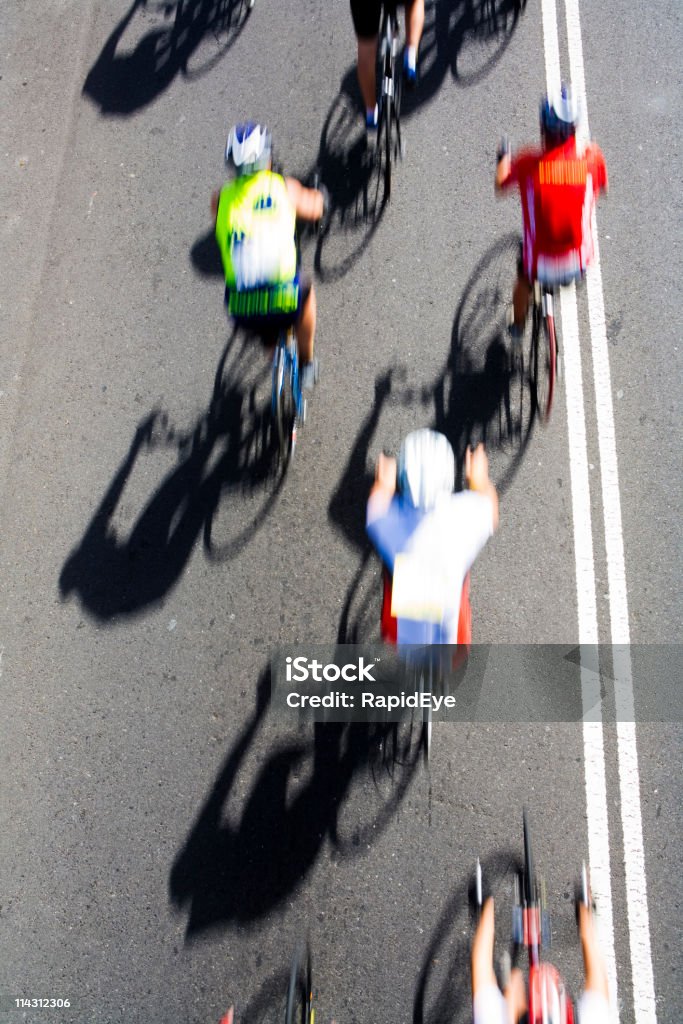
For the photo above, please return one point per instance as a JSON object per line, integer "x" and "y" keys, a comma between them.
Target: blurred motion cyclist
{"x": 558, "y": 186}
{"x": 256, "y": 216}
{"x": 428, "y": 538}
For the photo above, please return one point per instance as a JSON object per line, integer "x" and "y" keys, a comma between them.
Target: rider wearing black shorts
{"x": 366, "y": 16}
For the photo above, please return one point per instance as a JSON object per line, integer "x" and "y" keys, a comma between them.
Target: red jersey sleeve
{"x": 598, "y": 167}
{"x": 522, "y": 167}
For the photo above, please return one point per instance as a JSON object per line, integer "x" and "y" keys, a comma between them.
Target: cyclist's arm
{"x": 308, "y": 202}
{"x": 383, "y": 489}
{"x": 215, "y": 196}
{"x": 477, "y": 477}
{"x": 503, "y": 172}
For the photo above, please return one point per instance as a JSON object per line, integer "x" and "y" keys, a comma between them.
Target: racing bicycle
{"x": 548, "y": 998}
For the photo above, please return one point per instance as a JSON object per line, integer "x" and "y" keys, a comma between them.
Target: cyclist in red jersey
{"x": 558, "y": 186}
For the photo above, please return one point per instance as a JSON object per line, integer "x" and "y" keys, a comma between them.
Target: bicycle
{"x": 300, "y": 1008}
{"x": 390, "y": 96}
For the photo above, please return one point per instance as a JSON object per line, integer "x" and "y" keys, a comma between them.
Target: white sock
{"x": 411, "y": 58}
{"x": 371, "y": 114}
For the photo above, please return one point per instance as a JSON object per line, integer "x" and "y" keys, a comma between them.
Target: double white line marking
{"x": 594, "y": 755}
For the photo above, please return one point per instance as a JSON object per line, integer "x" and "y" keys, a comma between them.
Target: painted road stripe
{"x": 593, "y": 738}
{"x": 644, "y": 1004}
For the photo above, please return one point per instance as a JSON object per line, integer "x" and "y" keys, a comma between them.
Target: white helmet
{"x": 249, "y": 147}
{"x": 426, "y": 468}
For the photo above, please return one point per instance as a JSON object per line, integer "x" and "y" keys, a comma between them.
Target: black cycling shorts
{"x": 366, "y": 16}
{"x": 268, "y": 327}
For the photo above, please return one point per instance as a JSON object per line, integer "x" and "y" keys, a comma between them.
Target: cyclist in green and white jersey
{"x": 256, "y": 216}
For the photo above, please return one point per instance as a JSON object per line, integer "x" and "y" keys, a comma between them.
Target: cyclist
{"x": 366, "y": 16}
{"x": 256, "y": 217}
{"x": 428, "y": 537}
{"x": 558, "y": 185}
{"x": 491, "y": 1006}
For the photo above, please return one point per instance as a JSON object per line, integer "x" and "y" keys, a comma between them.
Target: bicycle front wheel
{"x": 544, "y": 355}
{"x": 300, "y": 992}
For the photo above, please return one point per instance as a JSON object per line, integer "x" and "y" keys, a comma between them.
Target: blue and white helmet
{"x": 560, "y": 113}
{"x": 249, "y": 148}
{"x": 426, "y": 468}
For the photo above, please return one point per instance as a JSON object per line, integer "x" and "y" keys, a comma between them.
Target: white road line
{"x": 629, "y": 781}
{"x": 593, "y": 739}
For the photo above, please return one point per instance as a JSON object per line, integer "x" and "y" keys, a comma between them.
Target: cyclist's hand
{"x": 477, "y": 468}
{"x": 503, "y": 149}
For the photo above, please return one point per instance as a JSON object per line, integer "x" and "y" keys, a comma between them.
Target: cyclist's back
{"x": 558, "y": 185}
{"x": 256, "y": 216}
{"x": 428, "y": 538}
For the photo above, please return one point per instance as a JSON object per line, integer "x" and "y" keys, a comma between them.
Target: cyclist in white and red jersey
{"x": 428, "y": 537}
{"x": 558, "y": 186}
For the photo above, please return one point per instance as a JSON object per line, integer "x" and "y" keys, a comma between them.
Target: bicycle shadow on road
{"x": 119, "y": 569}
{"x": 483, "y": 394}
{"x": 354, "y": 180}
{"x": 465, "y": 37}
{"x": 443, "y": 993}
{"x": 239, "y": 867}
{"x": 186, "y": 36}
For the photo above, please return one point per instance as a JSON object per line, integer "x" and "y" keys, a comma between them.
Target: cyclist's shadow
{"x": 239, "y": 870}
{"x": 353, "y": 178}
{"x": 230, "y": 447}
{"x": 121, "y": 83}
{"x": 359, "y": 620}
{"x": 485, "y": 393}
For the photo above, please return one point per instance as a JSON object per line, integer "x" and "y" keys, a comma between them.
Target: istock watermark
{"x": 485, "y": 683}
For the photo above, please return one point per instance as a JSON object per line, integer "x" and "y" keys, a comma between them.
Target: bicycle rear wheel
{"x": 285, "y": 406}
{"x": 544, "y": 356}
{"x": 300, "y": 992}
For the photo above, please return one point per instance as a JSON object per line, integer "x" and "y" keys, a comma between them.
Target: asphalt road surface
{"x": 165, "y": 837}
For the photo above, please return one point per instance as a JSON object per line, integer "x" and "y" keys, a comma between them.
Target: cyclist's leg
{"x": 415, "y": 20}
{"x": 366, "y": 15}
{"x": 305, "y": 325}
{"x": 522, "y": 293}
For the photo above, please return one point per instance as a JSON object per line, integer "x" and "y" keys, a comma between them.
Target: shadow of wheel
{"x": 480, "y": 36}
{"x": 251, "y": 469}
{"x": 354, "y": 176}
{"x": 486, "y": 393}
{"x": 224, "y": 24}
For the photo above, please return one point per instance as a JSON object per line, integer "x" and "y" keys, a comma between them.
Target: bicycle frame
{"x": 531, "y": 929}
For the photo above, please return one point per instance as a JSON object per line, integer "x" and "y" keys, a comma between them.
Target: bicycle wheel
{"x": 285, "y": 409}
{"x": 529, "y": 894}
{"x": 387, "y": 146}
{"x": 300, "y": 992}
{"x": 544, "y": 355}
